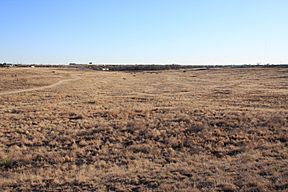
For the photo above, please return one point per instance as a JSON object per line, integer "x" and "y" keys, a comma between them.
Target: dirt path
{"x": 39, "y": 88}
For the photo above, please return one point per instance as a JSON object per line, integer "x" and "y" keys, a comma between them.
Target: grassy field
{"x": 222, "y": 129}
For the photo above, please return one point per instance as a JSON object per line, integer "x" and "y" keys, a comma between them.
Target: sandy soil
{"x": 192, "y": 130}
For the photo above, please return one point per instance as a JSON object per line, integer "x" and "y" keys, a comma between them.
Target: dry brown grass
{"x": 202, "y": 130}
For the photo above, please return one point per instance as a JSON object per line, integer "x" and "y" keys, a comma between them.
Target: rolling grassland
{"x": 222, "y": 129}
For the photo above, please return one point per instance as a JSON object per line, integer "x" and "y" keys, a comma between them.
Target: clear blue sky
{"x": 144, "y": 31}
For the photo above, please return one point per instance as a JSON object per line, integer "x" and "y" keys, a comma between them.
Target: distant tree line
{"x": 141, "y": 67}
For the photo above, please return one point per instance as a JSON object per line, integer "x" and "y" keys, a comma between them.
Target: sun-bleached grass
{"x": 202, "y": 130}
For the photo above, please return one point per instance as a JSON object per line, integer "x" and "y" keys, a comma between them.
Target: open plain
{"x": 220, "y": 129}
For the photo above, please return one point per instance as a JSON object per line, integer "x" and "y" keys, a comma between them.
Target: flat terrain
{"x": 220, "y": 129}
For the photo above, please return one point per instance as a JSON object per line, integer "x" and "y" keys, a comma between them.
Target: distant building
{"x": 72, "y": 64}
{"x": 6, "y": 65}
